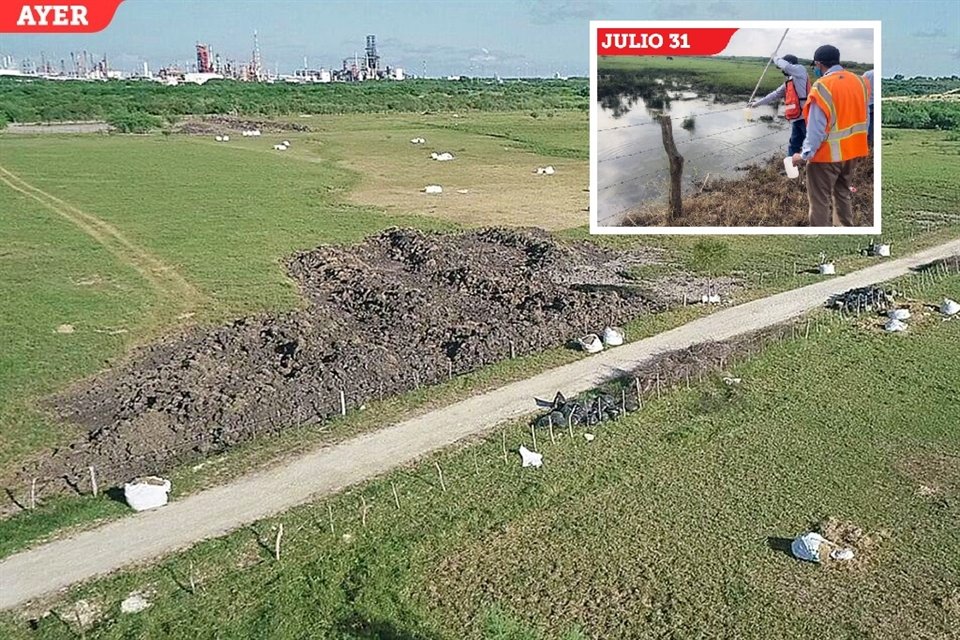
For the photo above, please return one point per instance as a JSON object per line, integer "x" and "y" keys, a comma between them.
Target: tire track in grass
{"x": 162, "y": 277}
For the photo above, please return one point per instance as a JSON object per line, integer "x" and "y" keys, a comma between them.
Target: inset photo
{"x": 734, "y": 128}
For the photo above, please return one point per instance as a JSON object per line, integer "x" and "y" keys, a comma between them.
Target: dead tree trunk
{"x": 676, "y": 169}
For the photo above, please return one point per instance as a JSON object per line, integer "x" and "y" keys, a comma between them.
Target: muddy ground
{"x": 404, "y": 308}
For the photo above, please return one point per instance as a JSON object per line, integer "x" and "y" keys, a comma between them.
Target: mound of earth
{"x": 403, "y": 309}
{"x": 217, "y": 124}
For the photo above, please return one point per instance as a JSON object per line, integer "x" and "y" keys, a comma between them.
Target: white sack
{"x": 148, "y": 492}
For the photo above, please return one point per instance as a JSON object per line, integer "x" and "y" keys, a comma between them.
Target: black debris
{"x": 863, "y": 299}
{"x": 586, "y": 411}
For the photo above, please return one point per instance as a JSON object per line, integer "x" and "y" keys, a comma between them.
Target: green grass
{"x": 224, "y": 217}
{"x": 920, "y": 177}
{"x": 43, "y": 265}
{"x": 715, "y": 75}
{"x": 659, "y": 528}
{"x": 180, "y": 197}
{"x": 722, "y": 75}
{"x": 557, "y": 133}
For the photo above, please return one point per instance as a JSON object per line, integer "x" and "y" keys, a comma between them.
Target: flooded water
{"x": 632, "y": 164}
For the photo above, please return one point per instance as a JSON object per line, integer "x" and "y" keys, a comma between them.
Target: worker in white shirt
{"x": 794, "y": 93}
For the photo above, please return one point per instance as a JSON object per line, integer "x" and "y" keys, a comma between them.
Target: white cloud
{"x": 856, "y": 45}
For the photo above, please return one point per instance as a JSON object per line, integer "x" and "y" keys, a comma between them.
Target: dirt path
{"x": 162, "y": 277}
{"x": 146, "y": 536}
{"x": 94, "y": 126}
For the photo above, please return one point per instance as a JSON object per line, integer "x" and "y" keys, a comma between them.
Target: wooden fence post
{"x": 676, "y": 168}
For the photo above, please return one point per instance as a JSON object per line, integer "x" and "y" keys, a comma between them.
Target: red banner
{"x": 66, "y": 16}
{"x": 662, "y": 42}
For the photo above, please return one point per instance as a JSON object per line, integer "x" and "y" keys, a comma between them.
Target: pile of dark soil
{"x": 204, "y": 125}
{"x": 405, "y": 308}
{"x": 762, "y": 197}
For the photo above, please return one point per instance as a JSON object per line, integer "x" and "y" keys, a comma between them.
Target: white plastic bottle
{"x": 792, "y": 171}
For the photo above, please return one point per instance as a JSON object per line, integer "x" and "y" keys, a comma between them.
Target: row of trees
{"x": 919, "y": 85}
{"x": 46, "y": 101}
{"x": 930, "y": 114}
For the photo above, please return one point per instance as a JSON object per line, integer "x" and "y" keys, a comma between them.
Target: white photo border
{"x": 875, "y": 229}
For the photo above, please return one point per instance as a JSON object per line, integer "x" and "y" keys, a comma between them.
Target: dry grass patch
{"x": 501, "y": 184}
{"x": 762, "y": 197}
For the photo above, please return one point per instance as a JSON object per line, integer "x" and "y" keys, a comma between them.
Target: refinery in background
{"x": 209, "y": 65}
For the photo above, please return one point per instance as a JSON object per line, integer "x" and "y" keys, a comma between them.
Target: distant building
{"x": 201, "y": 78}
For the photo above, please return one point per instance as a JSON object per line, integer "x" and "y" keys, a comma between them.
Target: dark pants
{"x": 828, "y": 183}
{"x": 797, "y": 134}
{"x": 870, "y": 128}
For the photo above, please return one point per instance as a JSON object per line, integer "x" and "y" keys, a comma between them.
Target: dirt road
{"x": 149, "y": 535}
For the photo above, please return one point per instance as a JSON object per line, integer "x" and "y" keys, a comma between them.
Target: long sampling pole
{"x": 768, "y": 65}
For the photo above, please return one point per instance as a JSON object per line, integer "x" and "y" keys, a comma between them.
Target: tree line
{"x": 132, "y": 105}
{"x": 140, "y": 106}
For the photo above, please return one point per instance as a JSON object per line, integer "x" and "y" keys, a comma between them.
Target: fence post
{"x": 276, "y": 544}
{"x": 676, "y": 168}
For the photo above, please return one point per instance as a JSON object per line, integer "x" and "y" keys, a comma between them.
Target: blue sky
{"x": 521, "y": 37}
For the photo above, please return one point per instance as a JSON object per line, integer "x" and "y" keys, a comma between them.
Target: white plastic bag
{"x": 842, "y": 554}
{"x": 949, "y": 307}
{"x": 899, "y": 314}
{"x": 893, "y": 325}
{"x": 613, "y": 336}
{"x": 530, "y": 458}
{"x": 807, "y": 546}
{"x": 591, "y": 343}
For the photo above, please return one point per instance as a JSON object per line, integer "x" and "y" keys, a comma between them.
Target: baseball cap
{"x": 826, "y": 53}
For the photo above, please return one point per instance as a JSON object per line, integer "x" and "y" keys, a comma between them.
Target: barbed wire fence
{"x": 656, "y": 175}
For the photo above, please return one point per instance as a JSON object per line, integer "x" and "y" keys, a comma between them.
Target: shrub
{"x": 134, "y": 122}
{"x": 710, "y": 256}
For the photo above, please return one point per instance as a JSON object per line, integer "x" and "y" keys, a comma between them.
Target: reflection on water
{"x": 713, "y": 138}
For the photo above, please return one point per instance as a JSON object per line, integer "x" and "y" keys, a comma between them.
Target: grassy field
{"x": 723, "y": 76}
{"x": 492, "y": 179}
{"x": 920, "y": 170}
{"x": 173, "y": 198}
{"x": 668, "y": 525}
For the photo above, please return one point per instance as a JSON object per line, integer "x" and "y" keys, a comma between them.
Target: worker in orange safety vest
{"x": 836, "y": 117}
